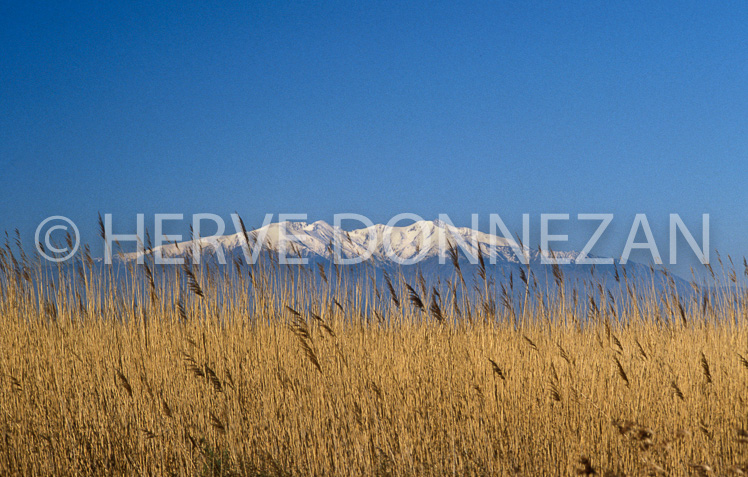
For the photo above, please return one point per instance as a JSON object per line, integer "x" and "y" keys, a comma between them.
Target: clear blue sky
{"x": 500, "y": 107}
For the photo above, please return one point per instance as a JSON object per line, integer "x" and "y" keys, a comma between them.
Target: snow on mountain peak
{"x": 418, "y": 240}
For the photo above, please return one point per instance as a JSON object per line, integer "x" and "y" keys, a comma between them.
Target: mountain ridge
{"x": 408, "y": 244}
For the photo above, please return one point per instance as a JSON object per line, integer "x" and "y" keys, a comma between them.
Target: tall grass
{"x": 200, "y": 370}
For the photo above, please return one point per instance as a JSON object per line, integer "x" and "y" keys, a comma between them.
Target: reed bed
{"x": 262, "y": 370}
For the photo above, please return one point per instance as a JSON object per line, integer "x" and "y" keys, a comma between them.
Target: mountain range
{"x": 383, "y": 245}
{"x": 418, "y": 251}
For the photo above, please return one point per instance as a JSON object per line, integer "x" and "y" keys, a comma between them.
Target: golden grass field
{"x": 244, "y": 371}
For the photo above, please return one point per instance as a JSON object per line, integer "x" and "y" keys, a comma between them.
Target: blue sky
{"x": 377, "y": 108}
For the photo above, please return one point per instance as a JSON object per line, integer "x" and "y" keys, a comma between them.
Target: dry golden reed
{"x": 261, "y": 370}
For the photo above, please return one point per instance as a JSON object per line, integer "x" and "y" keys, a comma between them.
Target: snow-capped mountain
{"x": 424, "y": 243}
{"x": 413, "y": 243}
